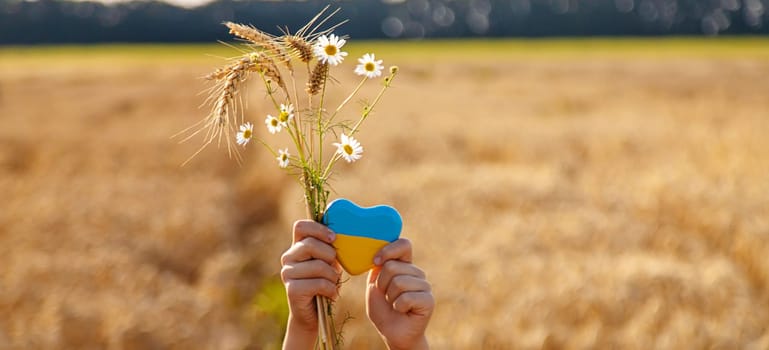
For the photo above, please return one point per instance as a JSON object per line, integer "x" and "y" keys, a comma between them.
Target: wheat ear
{"x": 261, "y": 39}
{"x": 317, "y": 78}
{"x": 301, "y": 48}
{"x": 220, "y": 121}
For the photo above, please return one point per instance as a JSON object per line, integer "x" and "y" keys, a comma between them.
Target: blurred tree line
{"x": 57, "y": 21}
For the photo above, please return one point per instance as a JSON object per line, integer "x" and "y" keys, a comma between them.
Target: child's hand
{"x": 399, "y": 300}
{"x": 309, "y": 269}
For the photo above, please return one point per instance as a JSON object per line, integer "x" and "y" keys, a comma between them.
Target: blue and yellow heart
{"x": 361, "y": 232}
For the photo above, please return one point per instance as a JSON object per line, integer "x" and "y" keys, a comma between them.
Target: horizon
{"x": 57, "y": 21}
{"x": 189, "y": 4}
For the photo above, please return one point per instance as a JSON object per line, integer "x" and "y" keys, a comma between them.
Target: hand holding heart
{"x": 398, "y": 298}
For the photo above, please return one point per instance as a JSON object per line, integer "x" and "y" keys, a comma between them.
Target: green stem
{"x": 366, "y": 112}
{"x": 275, "y": 154}
{"x": 311, "y": 144}
{"x": 320, "y": 121}
{"x": 296, "y": 136}
{"x": 341, "y": 105}
{"x": 297, "y": 122}
{"x": 369, "y": 108}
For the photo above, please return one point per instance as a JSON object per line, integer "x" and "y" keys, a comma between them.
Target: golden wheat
{"x": 266, "y": 65}
{"x": 569, "y": 216}
{"x": 221, "y": 121}
{"x": 263, "y": 40}
{"x": 300, "y": 46}
{"x": 317, "y": 78}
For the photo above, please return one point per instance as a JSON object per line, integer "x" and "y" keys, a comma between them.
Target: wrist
{"x": 419, "y": 344}
{"x": 299, "y": 336}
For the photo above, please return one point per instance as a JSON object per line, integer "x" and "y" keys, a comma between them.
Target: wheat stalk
{"x": 220, "y": 122}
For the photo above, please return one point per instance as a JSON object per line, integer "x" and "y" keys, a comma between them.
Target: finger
{"x": 418, "y": 303}
{"x": 405, "y": 284}
{"x": 373, "y": 274}
{"x": 309, "y": 270}
{"x": 309, "y": 228}
{"x": 338, "y": 267}
{"x": 307, "y": 249}
{"x": 394, "y": 268}
{"x": 307, "y": 288}
{"x": 398, "y": 250}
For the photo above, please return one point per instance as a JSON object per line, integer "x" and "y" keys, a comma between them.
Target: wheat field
{"x": 559, "y": 195}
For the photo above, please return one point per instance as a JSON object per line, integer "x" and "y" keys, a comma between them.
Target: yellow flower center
{"x": 347, "y": 149}
{"x": 283, "y": 157}
{"x": 370, "y": 66}
{"x": 331, "y": 50}
{"x": 283, "y": 116}
{"x": 247, "y": 134}
{"x": 274, "y": 122}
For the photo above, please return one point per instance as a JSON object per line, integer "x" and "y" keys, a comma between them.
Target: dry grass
{"x": 576, "y": 202}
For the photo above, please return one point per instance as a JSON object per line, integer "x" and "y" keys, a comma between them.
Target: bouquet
{"x": 272, "y": 61}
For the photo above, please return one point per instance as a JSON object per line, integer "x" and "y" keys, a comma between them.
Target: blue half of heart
{"x": 380, "y": 222}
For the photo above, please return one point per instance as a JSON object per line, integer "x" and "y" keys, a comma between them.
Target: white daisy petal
{"x": 288, "y": 108}
{"x": 273, "y": 124}
{"x": 349, "y": 148}
{"x": 245, "y": 134}
{"x": 369, "y": 66}
{"x": 328, "y": 49}
{"x": 285, "y": 115}
{"x": 283, "y": 158}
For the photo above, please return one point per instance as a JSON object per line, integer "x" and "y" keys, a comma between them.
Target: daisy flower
{"x": 349, "y": 148}
{"x": 328, "y": 49}
{"x": 245, "y": 133}
{"x": 369, "y": 66}
{"x": 286, "y": 114}
{"x": 273, "y": 124}
{"x": 282, "y": 157}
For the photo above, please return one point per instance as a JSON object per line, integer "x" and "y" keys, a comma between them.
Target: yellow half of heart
{"x": 356, "y": 254}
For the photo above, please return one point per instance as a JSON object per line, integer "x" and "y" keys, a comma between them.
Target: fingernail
{"x": 377, "y": 260}
{"x": 331, "y": 236}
